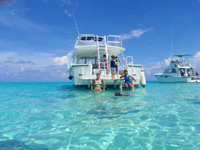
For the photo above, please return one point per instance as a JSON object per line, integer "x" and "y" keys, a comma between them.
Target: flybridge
{"x": 98, "y": 48}
{"x": 112, "y": 40}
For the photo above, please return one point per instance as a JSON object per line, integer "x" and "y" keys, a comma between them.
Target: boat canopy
{"x": 90, "y": 38}
{"x": 183, "y": 55}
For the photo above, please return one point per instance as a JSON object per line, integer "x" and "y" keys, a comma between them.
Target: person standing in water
{"x": 127, "y": 80}
{"x": 113, "y": 66}
{"x": 97, "y": 83}
{"x": 117, "y": 61}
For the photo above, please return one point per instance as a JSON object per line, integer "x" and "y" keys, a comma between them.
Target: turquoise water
{"x": 57, "y": 116}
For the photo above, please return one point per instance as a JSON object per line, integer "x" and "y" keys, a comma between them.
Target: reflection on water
{"x": 58, "y": 116}
{"x": 17, "y": 145}
{"x": 113, "y": 112}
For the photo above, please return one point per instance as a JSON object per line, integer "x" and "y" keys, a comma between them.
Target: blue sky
{"x": 34, "y": 34}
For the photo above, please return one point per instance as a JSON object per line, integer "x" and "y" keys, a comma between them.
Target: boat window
{"x": 170, "y": 70}
{"x": 173, "y": 70}
{"x": 167, "y": 70}
{"x": 88, "y": 38}
{"x": 95, "y": 66}
{"x": 99, "y": 39}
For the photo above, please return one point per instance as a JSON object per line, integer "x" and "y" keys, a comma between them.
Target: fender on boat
{"x": 142, "y": 79}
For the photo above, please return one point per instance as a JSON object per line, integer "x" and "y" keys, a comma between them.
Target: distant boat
{"x": 179, "y": 70}
{"x": 92, "y": 55}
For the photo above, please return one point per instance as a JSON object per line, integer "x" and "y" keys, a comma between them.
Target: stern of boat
{"x": 84, "y": 74}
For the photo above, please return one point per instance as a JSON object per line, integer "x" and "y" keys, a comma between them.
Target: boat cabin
{"x": 180, "y": 67}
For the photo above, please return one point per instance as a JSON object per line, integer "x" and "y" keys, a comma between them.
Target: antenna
{"x": 172, "y": 44}
{"x": 182, "y": 46}
{"x": 76, "y": 25}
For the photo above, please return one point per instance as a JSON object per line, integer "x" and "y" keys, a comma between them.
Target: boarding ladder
{"x": 102, "y": 50}
{"x": 133, "y": 71}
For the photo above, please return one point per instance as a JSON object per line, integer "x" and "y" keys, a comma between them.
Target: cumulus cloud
{"x": 135, "y": 33}
{"x": 16, "y": 67}
{"x": 11, "y": 60}
{"x": 197, "y": 55}
{"x": 25, "y": 62}
{"x": 158, "y": 67}
{"x": 195, "y": 61}
{"x": 64, "y": 60}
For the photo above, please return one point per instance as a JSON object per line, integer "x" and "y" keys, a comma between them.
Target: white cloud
{"x": 195, "y": 61}
{"x": 68, "y": 13}
{"x": 67, "y": 2}
{"x": 17, "y": 67}
{"x": 12, "y": 20}
{"x": 64, "y": 75}
{"x": 22, "y": 69}
{"x": 64, "y": 60}
{"x": 135, "y": 33}
{"x": 197, "y": 55}
{"x": 158, "y": 67}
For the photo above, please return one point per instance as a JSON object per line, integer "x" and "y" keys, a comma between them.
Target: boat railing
{"x": 89, "y": 39}
{"x": 131, "y": 62}
{"x": 184, "y": 64}
{"x": 114, "y": 40}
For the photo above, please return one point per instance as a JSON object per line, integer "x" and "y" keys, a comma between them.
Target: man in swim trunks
{"x": 127, "y": 80}
{"x": 117, "y": 61}
{"x": 113, "y": 66}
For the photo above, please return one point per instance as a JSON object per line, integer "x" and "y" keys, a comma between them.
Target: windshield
{"x": 170, "y": 70}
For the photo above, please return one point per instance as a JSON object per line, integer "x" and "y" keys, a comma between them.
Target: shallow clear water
{"x": 58, "y": 116}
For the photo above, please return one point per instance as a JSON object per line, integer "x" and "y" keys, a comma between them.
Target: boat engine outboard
{"x": 70, "y": 77}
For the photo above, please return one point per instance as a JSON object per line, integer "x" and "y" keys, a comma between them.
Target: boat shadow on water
{"x": 194, "y": 100}
{"x": 66, "y": 88}
{"x": 110, "y": 113}
{"x": 18, "y": 145}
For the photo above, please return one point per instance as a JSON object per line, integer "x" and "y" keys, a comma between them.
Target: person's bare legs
{"x": 130, "y": 85}
{"x": 126, "y": 85}
{"x": 112, "y": 72}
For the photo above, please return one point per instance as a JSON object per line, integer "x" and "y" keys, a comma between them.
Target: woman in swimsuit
{"x": 97, "y": 83}
{"x": 127, "y": 79}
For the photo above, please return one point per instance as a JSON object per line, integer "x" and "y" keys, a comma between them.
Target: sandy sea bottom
{"x": 41, "y": 116}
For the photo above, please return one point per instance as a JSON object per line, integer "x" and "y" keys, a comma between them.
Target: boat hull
{"x": 171, "y": 79}
{"x": 83, "y": 76}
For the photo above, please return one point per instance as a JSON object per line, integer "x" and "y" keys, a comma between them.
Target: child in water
{"x": 119, "y": 94}
{"x": 127, "y": 80}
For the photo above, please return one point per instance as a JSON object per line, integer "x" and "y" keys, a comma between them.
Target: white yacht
{"x": 92, "y": 55}
{"x": 179, "y": 70}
